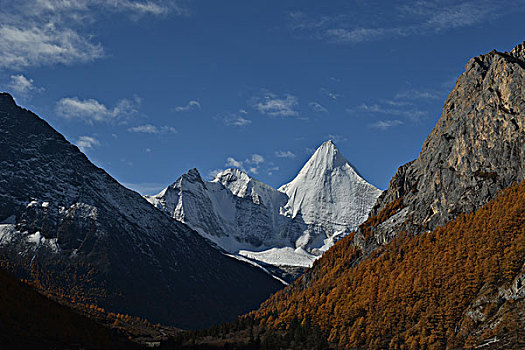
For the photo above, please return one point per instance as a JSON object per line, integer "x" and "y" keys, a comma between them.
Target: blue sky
{"x": 150, "y": 89}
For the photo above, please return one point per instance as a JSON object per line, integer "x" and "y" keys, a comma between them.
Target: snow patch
{"x": 285, "y": 256}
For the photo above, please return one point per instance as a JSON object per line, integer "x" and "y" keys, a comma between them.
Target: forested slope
{"x": 452, "y": 287}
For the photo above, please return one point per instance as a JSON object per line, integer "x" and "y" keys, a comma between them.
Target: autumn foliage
{"x": 414, "y": 292}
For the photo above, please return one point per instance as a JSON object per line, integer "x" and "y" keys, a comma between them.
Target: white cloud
{"x": 336, "y": 138}
{"x": 256, "y": 159}
{"x": 271, "y": 170}
{"x": 386, "y": 124}
{"x": 152, "y": 129}
{"x": 231, "y": 162}
{"x": 284, "y": 154}
{"x": 276, "y": 106}
{"x": 418, "y": 95}
{"x": 49, "y": 32}
{"x": 191, "y": 105}
{"x": 91, "y": 110}
{"x": 251, "y": 165}
{"x": 317, "y": 107}
{"x": 332, "y": 95}
{"x": 85, "y": 143}
{"x": 21, "y": 85}
{"x": 235, "y": 119}
{"x": 238, "y": 121}
{"x": 36, "y": 46}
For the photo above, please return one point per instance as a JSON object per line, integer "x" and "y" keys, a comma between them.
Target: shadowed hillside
{"x": 29, "y": 320}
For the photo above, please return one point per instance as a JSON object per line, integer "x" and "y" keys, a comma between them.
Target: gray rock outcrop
{"x": 476, "y": 149}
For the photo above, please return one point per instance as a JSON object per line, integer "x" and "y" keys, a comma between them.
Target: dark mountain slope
{"x": 76, "y": 231}
{"x": 31, "y": 321}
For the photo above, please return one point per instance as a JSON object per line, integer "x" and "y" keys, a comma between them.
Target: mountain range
{"x": 286, "y": 228}
{"x": 440, "y": 261}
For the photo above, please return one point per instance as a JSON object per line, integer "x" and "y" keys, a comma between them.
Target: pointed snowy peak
{"x": 327, "y": 156}
{"x": 325, "y": 160}
{"x": 192, "y": 176}
{"x": 329, "y": 189}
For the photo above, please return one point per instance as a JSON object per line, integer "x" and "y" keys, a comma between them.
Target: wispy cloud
{"x": 408, "y": 104}
{"x": 271, "y": 170}
{"x": 418, "y": 95}
{"x": 48, "y": 32}
{"x": 256, "y": 159}
{"x": 412, "y": 113}
{"x": 355, "y": 35}
{"x": 251, "y": 165}
{"x": 407, "y": 18}
{"x": 235, "y": 119}
{"x": 330, "y": 94}
{"x": 317, "y": 107}
{"x": 85, "y": 143}
{"x": 277, "y": 106}
{"x": 336, "y": 138}
{"x": 36, "y": 46}
{"x": 91, "y": 110}
{"x": 22, "y": 86}
{"x": 284, "y": 154}
{"x": 385, "y": 124}
{"x": 190, "y": 106}
{"x": 232, "y": 162}
{"x": 152, "y": 129}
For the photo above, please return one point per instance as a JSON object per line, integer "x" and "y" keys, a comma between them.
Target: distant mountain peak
{"x": 326, "y": 158}
{"x": 232, "y": 174}
{"x": 193, "y": 174}
{"x": 328, "y": 188}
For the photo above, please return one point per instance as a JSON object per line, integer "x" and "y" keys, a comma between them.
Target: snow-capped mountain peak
{"x": 244, "y": 186}
{"x": 328, "y": 189}
{"x": 327, "y": 157}
{"x": 289, "y": 226}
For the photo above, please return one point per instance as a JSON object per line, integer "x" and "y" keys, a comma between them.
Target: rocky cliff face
{"x": 76, "y": 231}
{"x": 476, "y": 149}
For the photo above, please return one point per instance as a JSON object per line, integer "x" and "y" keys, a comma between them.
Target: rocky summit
{"x": 476, "y": 149}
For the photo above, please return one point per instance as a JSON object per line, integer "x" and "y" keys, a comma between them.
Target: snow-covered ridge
{"x": 290, "y": 226}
